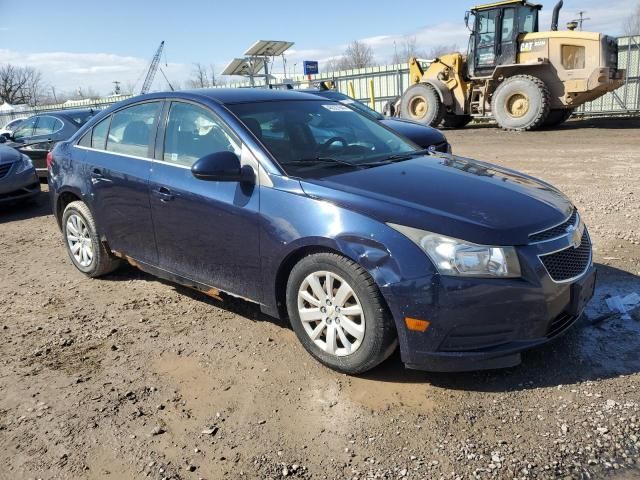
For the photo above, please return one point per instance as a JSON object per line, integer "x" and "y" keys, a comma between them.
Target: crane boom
{"x": 153, "y": 68}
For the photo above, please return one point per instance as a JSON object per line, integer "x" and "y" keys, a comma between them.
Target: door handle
{"x": 164, "y": 194}
{"x": 97, "y": 176}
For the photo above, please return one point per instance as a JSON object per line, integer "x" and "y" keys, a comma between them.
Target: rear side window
{"x": 47, "y": 125}
{"x": 193, "y": 132}
{"x": 26, "y": 128}
{"x": 131, "y": 129}
{"x": 99, "y": 136}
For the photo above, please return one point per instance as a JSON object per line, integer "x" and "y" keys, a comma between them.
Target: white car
{"x": 11, "y": 126}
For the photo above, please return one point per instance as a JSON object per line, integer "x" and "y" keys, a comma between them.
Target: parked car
{"x": 37, "y": 135}
{"x": 361, "y": 243}
{"x": 18, "y": 179}
{"x": 422, "y": 135}
{"x": 8, "y": 129}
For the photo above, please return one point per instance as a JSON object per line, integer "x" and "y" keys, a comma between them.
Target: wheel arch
{"x": 369, "y": 254}
{"x": 64, "y": 198}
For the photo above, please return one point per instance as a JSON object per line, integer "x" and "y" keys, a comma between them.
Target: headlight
{"x": 25, "y": 164}
{"x": 464, "y": 259}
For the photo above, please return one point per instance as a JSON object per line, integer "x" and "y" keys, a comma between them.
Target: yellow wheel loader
{"x": 523, "y": 78}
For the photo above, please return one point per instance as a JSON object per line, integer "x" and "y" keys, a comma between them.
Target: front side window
{"x": 306, "y": 137}
{"x": 486, "y": 39}
{"x": 25, "y": 129}
{"x": 193, "y": 132}
{"x": 508, "y": 24}
{"x": 131, "y": 128}
{"x": 47, "y": 125}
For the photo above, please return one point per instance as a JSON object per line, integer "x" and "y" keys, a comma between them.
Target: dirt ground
{"x": 132, "y": 377}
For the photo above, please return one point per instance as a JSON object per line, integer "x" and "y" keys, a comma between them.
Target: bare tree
{"x": 202, "y": 76}
{"x": 407, "y": 50}
{"x": 632, "y": 22}
{"x": 439, "y": 50}
{"x": 357, "y": 55}
{"x": 21, "y": 85}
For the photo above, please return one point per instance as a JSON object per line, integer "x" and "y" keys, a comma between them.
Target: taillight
{"x": 49, "y": 160}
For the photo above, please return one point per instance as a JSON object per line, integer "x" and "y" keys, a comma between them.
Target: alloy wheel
{"x": 331, "y": 313}
{"x": 79, "y": 240}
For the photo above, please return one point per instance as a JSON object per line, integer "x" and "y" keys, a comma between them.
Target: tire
{"x": 371, "y": 334}
{"x": 421, "y": 103}
{"x": 455, "y": 121}
{"x": 557, "y": 117}
{"x": 78, "y": 222}
{"x": 521, "y": 103}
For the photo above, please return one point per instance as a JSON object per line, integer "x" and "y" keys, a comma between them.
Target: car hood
{"x": 418, "y": 133}
{"x": 8, "y": 154}
{"x": 454, "y": 196}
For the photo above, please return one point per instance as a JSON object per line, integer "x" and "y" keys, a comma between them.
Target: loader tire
{"x": 557, "y": 117}
{"x": 455, "y": 121}
{"x": 421, "y": 103}
{"x": 521, "y": 103}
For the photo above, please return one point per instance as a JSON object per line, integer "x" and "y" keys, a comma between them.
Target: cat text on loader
{"x": 524, "y": 78}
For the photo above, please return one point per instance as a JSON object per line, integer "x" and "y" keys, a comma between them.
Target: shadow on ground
{"x": 589, "y": 351}
{"x": 24, "y": 210}
{"x": 576, "y": 123}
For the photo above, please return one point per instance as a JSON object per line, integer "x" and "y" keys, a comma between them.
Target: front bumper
{"x": 14, "y": 188}
{"x": 477, "y": 324}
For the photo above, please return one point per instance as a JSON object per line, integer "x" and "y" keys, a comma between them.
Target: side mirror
{"x": 467, "y": 14}
{"x": 220, "y": 167}
{"x": 3, "y": 139}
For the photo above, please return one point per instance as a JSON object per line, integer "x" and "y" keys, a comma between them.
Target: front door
{"x": 485, "y": 58}
{"x": 119, "y": 165}
{"x": 206, "y": 231}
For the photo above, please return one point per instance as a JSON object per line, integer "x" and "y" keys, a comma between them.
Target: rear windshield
{"x": 80, "y": 118}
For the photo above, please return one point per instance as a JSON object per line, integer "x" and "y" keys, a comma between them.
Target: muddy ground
{"x": 131, "y": 377}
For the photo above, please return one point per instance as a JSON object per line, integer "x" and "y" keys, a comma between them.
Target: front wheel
{"x": 421, "y": 103}
{"x": 338, "y": 313}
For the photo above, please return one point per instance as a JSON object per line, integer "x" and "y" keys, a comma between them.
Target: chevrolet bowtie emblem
{"x": 575, "y": 234}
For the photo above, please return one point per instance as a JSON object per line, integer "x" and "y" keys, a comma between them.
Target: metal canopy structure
{"x": 256, "y": 61}
{"x": 245, "y": 67}
{"x": 268, "y": 48}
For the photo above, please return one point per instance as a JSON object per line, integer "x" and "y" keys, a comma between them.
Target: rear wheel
{"x": 557, "y": 117}
{"x": 87, "y": 252}
{"x": 455, "y": 121}
{"x": 521, "y": 103}
{"x": 338, "y": 313}
{"x": 421, "y": 103}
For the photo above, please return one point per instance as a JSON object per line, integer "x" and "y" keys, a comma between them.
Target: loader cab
{"x": 495, "y": 31}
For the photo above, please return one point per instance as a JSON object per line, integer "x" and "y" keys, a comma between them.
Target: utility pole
{"x": 116, "y": 87}
{"x": 582, "y": 18}
{"x": 53, "y": 92}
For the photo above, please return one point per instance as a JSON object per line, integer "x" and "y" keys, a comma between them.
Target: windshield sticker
{"x": 337, "y": 108}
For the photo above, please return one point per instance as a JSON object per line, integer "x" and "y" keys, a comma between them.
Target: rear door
{"x": 42, "y": 140}
{"x": 118, "y": 168}
{"x": 206, "y": 231}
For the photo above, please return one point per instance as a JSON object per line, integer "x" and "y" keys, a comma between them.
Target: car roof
{"x": 228, "y": 96}
{"x": 70, "y": 111}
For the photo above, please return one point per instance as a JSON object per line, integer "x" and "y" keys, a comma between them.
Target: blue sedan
{"x": 324, "y": 216}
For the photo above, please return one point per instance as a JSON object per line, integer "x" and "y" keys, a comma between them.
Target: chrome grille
{"x": 4, "y": 169}
{"x": 569, "y": 263}
{"x": 554, "y": 232}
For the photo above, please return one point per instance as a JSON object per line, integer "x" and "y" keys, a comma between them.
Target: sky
{"x": 91, "y": 44}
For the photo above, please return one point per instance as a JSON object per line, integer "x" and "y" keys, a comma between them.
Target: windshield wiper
{"x": 316, "y": 160}
{"x": 397, "y": 157}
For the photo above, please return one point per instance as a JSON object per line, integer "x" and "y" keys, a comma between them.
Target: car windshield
{"x": 355, "y": 104}
{"x": 80, "y": 118}
{"x": 321, "y": 137}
